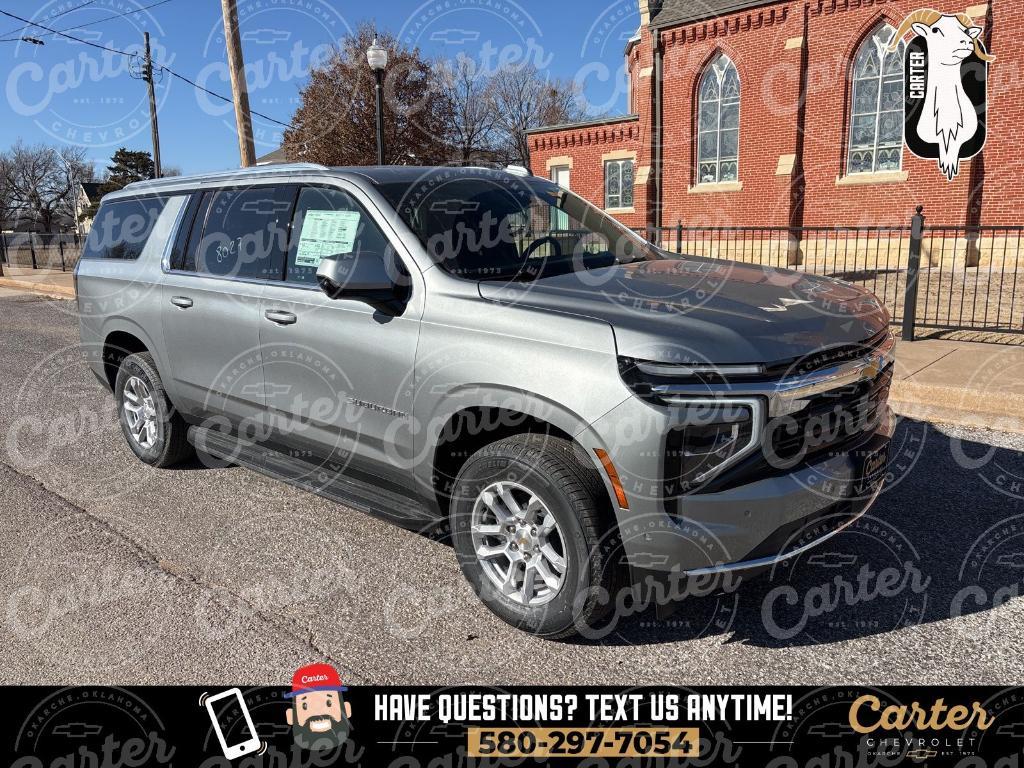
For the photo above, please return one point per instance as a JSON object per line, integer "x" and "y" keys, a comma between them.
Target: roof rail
{"x": 258, "y": 171}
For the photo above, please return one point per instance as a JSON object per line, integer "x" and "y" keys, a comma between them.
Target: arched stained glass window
{"x": 876, "y": 106}
{"x": 718, "y": 118}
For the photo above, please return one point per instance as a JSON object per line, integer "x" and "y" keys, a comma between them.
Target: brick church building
{"x": 786, "y": 113}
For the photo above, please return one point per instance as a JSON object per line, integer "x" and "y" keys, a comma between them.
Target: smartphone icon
{"x": 220, "y": 709}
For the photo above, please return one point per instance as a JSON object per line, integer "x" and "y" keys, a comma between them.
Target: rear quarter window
{"x": 122, "y": 228}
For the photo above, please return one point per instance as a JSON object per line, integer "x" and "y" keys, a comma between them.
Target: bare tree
{"x": 42, "y": 182}
{"x": 523, "y": 98}
{"x": 474, "y": 118}
{"x": 335, "y": 123}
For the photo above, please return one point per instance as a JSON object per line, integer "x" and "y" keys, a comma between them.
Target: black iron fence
{"x": 943, "y": 277}
{"x": 34, "y": 250}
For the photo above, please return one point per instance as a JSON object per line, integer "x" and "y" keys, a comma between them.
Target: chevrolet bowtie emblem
{"x": 872, "y": 368}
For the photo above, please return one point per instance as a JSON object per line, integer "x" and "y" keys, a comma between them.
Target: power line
{"x": 168, "y": 70}
{"x": 69, "y": 37}
{"x": 96, "y": 21}
{"x": 55, "y": 16}
{"x": 227, "y": 99}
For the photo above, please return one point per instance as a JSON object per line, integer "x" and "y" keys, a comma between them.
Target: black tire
{"x": 171, "y": 445}
{"x": 573, "y": 492}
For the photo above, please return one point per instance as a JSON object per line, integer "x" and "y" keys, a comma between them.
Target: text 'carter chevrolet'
{"x": 485, "y": 355}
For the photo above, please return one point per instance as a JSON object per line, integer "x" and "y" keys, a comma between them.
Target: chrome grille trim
{"x": 790, "y": 395}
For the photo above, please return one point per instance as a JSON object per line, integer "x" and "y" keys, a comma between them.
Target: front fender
{"x": 479, "y": 395}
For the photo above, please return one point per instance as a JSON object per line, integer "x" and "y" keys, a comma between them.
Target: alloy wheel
{"x": 140, "y": 412}
{"x": 518, "y": 543}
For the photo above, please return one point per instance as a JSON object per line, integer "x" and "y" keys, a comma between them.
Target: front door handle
{"x": 280, "y": 317}
{"x": 182, "y": 302}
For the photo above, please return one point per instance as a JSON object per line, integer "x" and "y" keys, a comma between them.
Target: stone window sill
{"x": 620, "y": 211}
{"x": 862, "y": 179}
{"x": 711, "y": 189}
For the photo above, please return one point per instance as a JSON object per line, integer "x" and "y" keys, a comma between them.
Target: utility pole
{"x": 236, "y": 67}
{"x": 147, "y": 75}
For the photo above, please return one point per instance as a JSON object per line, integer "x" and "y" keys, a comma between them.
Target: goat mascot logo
{"x": 946, "y": 87}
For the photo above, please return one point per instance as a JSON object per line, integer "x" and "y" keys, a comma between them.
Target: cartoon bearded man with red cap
{"x": 319, "y": 715}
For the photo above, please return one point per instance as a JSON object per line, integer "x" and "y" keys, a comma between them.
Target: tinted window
{"x": 184, "y": 228}
{"x": 246, "y": 233}
{"x": 195, "y": 235}
{"x": 488, "y": 225}
{"x": 328, "y": 222}
{"x": 122, "y": 227}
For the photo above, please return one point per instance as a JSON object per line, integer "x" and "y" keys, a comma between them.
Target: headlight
{"x": 645, "y": 377}
{"x": 699, "y": 371}
{"x": 717, "y": 427}
{"x": 717, "y": 434}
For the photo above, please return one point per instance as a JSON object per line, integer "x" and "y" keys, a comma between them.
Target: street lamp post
{"x": 377, "y": 58}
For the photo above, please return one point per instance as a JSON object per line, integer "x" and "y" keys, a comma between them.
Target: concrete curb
{"x": 47, "y": 289}
{"x": 1000, "y": 411}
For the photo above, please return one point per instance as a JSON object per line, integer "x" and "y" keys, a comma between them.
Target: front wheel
{"x": 527, "y": 519}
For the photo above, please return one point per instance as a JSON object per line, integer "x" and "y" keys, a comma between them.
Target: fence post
{"x": 913, "y": 273}
{"x": 679, "y": 237}
{"x": 60, "y": 247}
{"x": 3, "y": 252}
{"x": 32, "y": 250}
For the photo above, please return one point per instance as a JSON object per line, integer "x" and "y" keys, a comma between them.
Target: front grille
{"x": 830, "y": 421}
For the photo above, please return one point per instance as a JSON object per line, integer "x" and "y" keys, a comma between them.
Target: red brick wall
{"x": 764, "y": 45}
{"x": 586, "y": 146}
{"x": 835, "y": 36}
{"x": 1003, "y": 179}
{"x": 755, "y": 42}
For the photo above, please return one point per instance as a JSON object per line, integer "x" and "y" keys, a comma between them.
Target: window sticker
{"x": 326, "y": 233}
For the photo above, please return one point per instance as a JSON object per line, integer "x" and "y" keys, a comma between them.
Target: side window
{"x": 329, "y": 222}
{"x": 246, "y": 233}
{"x": 122, "y": 227}
{"x": 195, "y": 235}
{"x": 188, "y": 218}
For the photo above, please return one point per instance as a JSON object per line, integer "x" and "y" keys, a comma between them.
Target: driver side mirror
{"x": 362, "y": 277}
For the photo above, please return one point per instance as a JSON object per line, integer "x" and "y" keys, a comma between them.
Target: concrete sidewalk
{"x": 45, "y": 281}
{"x": 954, "y": 382}
{"x": 959, "y": 382}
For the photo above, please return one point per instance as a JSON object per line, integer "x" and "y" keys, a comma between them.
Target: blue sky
{"x": 75, "y": 93}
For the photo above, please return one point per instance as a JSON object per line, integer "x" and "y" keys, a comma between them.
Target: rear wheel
{"x": 152, "y": 428}
{"x": 527, "y": 520}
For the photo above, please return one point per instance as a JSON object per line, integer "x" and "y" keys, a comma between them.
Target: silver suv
{"x": 486, "y": 356}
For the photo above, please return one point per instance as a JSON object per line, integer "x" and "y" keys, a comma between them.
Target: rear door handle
{"x": 280, "y": 317}
{"x": 182, "y": 302}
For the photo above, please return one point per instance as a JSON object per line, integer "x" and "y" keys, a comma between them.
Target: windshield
{"x": 489, "y": 225}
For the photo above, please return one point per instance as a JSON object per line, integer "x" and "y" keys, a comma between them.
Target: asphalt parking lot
{"x": 113, "y": 572}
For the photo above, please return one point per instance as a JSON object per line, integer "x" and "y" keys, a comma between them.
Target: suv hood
{"x": 718, "y": 311}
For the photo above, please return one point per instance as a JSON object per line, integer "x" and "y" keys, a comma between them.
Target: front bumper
{"x": 744, "y": 527}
